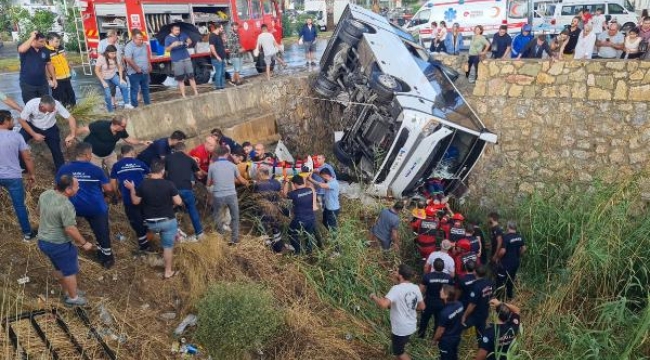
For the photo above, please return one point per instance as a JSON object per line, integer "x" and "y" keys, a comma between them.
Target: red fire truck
{"x": 99, "y": 16}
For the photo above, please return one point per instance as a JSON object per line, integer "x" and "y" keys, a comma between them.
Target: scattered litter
{"x": 145, "y": 306}
{"x": 190, "y": 320}
{"x": 23, "y": 280}
{"x": 52, "y": 292}
{"x": 106, "y": 317}
{"x": 114, "y": 277}
{"x": 101, "y": 278}
{"x": 120, "y": 237}
{"x": 167, "y": 316}
{"x": 348, "y": 337}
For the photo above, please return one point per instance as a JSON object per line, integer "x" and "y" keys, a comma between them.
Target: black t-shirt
{"x": 102, "y": 138}
{"x": 303, "y": 206}
{"x": 450, "y": 318}
{"x": 217, "y": 42}
{"x": 433, "y": 282}
{"x": 474, "y": 244}
{"x": 478, "y": 232}
{"x": 32, "y": 66}
{"x": 500, "y": 44}
{"x": 157, "y": 197}
{"x": 497, "y": 338}
{"x": 480, "y": 295}
{"x": 269, "y": 189}
{"x": 512, "y": 242}
{"x": 570, "y": 46}
{"x": 496, "y": 232}
{"x": 465, "y": 284}
{"x": 180, "y": 168}
{"x": 456, "y": 233}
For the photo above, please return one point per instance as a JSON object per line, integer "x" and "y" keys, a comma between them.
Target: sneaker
{"x": 232, "y": 83}
{"x": 226, "y": 228}
{"x": 200, "y": 236}
{"x": 189, "y": 239}
{"x": 307, "y": 63}
{"x": 29, "y": 237}
{"x": 80, "y": 293}
{"x": 79, "y": 301}
{"x": 128, "y": 106}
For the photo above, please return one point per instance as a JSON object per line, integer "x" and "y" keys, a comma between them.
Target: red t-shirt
{"x": 202, "y": 156}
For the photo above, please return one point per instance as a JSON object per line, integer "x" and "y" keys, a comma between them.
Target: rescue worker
{"x": 496, "y": 238}
{"x": 478, "y": 307}
{"x": 498, "y": 337}
{"x": 426, "y": 230}
{"x": 463, "y": 254}
{"x": 509, "y": 259}
{"x": 478, "y": 233}
{"x": 457, "y": 230}
{"x": 304, "y": 219}
{"x": 269, "y": 189}
{"x": 466, "y": 281}
{"x": 448, "y": 332}
{"x": 474, "y": 241}
{"x": 430, "y": 286}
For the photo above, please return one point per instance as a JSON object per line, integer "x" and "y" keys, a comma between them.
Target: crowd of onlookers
{"x": 589, "y": 36}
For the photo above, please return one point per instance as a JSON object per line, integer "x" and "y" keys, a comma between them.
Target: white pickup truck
{"x": 409, "y": 121}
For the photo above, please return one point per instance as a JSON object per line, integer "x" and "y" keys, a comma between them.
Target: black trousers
{"x": 99, "y": 225}
{"x": 431, "y": 310}
{"x": 64, "y": 93}
{"x": 53, "y": 141}
{"x": 30, "y": 91}
{"x": 136, "y": 220}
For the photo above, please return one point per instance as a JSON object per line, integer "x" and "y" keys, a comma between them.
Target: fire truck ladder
{"x": 75, "y": 6}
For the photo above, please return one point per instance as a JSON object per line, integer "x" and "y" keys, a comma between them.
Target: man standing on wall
{"x": 270, "y": 47}
{"x": 177, "y": 43}
{"x": 308, "y": 35}
{"x": 236, "y": 55}
{"x": 218, "y": 56}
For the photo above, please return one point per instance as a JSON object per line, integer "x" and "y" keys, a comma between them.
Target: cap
{"x": 527, "y": 27}
{"x": 464, "y": 244}
{"x": 419, "y": 213}
{"x": 446, "y": 245}
{"x": 458, "y": 216}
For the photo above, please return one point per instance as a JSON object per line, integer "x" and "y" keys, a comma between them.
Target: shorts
{"x": 167, "y": 230}
{"x": 183, "y": 69}
{"x": 236, "y": 64}
{"x": 309, "y": 46}
{"x": 398, "y": 344}
{"x": 64, "y": 257}
{"x": 268, "y": 59}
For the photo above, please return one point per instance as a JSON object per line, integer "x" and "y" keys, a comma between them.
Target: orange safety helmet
{"x": 464, "y": 244}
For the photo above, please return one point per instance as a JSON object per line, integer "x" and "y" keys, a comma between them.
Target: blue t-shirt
{"x": 433, "y": 282}
{"x": 89, "y": 201}
{"x": 512, "y": 242}
{"x": 157, "y": 150}
{"x": 480, "y": 295}
{"x": 180, "y": 52}
{"x": 270, "y": 189}
{"x": 450, "y": 318}
{"x": 303, "y": 206}
{"x": 465, "y": 284}
{"x": 332, "y": 195}
{"x": 32, "y": 66}
{"x": 316, "y": 176}
{"x": 129, "y": 169}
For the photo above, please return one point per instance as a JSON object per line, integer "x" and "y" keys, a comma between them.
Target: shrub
{"x": 235, "y": 318}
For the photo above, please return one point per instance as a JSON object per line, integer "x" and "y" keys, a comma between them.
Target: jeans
{"x": 231, "y": 202}
{"x": 17, "y": 194}
{"x": 139, "y": 82}
{"x": 115, "y": 80}
{"x": 297, "y": 228}
{"x": 99, "y": 225}
{"x": 167, "y": 230}
{"x": 30, "y": 91}
{"x": 134, "y": 214}
{"x": 330, "y": 219}
{"x": 236, "y": 63}
{"x": 219, "y": 77}
{"x": 53, "y": 141}
{"x": 190, "y": 204}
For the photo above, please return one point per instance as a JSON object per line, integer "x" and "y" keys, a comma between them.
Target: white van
{"x": 317, "y": 9}
{"x": 490, "y": 14}
{"x": 620, "y": 10}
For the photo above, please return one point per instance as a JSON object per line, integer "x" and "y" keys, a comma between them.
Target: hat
{"x": 527, "y": 27}
{"x": 464, "y": 244}
{"x": 458, "y": 216}
{"x": 430, "y": 211}
{"x": 446, "y": 245}
{"x": 419, "y": 213}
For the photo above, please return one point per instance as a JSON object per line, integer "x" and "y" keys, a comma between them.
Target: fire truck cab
{"x": 149, "y": 16}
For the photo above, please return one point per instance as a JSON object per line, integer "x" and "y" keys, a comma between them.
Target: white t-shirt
{"x": 598, "y": 21}
{"x": 267, "y": 41}
{"x": 35, "y": 118}
{"x": 449, "y": 261}
{"x": 404, "y": 299}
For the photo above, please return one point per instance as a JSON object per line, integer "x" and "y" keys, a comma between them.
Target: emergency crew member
{"x": 202, "y": 154}
{"x": 462, "y": 255}
{"x": 478, "y": 308}
{"x": 131, "y": 169}
{"x": 269, "y": 189}
{"x": 304, "y": 219}
{"x": 89, "y": 201}
{"x": 510, "y": 258}
{"x": 457, "y": 230}
{"x": 162, "y": 147}
{"x": 498, "y": 337}
{"x": 448, "y": 332}
{"x": 474, "y": 241}
{"x": 430, "y": 286}
{"x": 496, "y": 238}
{"x": 466, "y": 281}
{"x": 63, "y": 72}
{"x": 426, "y": 230}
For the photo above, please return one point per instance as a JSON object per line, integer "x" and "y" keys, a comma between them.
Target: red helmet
{"x": 464, "y": 244}
{"x": 458, "y": 217}
{"x": 430, "y": 211}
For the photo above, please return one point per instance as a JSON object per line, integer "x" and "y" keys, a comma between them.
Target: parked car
{"x": 409, "y": 121}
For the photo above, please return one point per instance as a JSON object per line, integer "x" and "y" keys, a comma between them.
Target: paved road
{"x": 9, "y": 82}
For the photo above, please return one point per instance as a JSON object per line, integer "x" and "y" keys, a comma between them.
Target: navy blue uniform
{"x": 156, "y": 150}
{"x": 433, "y": 282}
{"x": 512, "y": 243}
{"x": 133, "y": 170}
{"x": 450, "y": 318}
{"x": 270, "y": 191}
{"x": 495, "y": 232}
{"x": 304, "y": 219}
{"x": 498, "y": 337}
{"x": 456, "y": 233}
{"x": 465, "y": 284}
{"x": 478, "y": 233}
{"x": 480, "y": 295}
